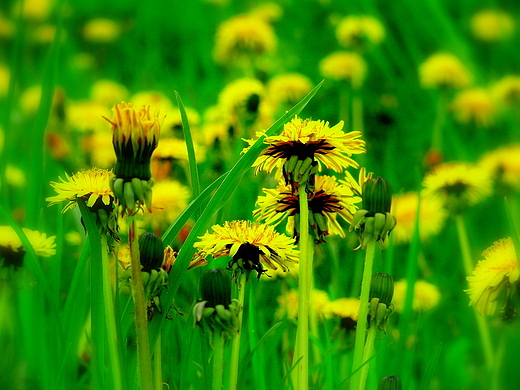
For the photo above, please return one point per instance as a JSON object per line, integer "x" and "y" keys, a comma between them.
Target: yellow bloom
{"x": 342, "y": 65}
{"x": 243, "y": 36}
{"x": 11, "y": 248}
{"x": 474, "y": 105}
{"x": 328, "y": 200}
{"x": 241, "y": 95}
{"x": 5, "y": 76}
{"x": 503, "y": 165}
{"x": 87, "y": 115}
{"x": 45, "y": 34}
{"x": 6, "y": 27}
{"x": 492, "y": 26}
{"x": 37, "y": 10}
{"x": 268, "y": 12}
{"x": 108, "y": 92}
{"x": 289, "y": 304}
{"x": 443, "y": 70}
{"x": 457, "y": 185}
{"x": 358, "y": 31}
{"x": 344, "y": 308}
{"x": 100, "y": 148}
{"x": 431, "y": 219}
{"x": 101, "y": 30}
{"x": 507, "y": 90}
{"x": 152, "y": 98}
{"x": 173, "y": 121}
{"x": 251, "y": 246}
{"x": 92, "y": 185}
{"x": 15, "y": 176}
{"x": 492, "y": 278}
{"x": 217, "y": 125}
{"x": 168, "y": 153}
{"x": 30, "y": 99}
{"x": 288, "y": 88}
{"x": 425, "y": 295}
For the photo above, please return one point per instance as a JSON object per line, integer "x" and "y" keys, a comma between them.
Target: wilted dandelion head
{"x": 492, "y": 26}
{"x": 359, "y": 31}
{"x": 491, "y": 281}
{"x": 444, "y": 70}
{"x": 288, "y": 88}
{"x": 457, "y": 185}
{"x": 425, "y": 296}
{"x": 431, "y": 218}
{"x": 288, "y": 304}
{"x": 507, "y": 90}
{"x": 243, "y": 36}
{"x": 101, "y": 31}
{"x": 108, "y": 92}
{"x": 503, "y": 166}
{"x": 474, "y": 105}
{"x": 342, "y": 65}
{"x": 12, "y": 250}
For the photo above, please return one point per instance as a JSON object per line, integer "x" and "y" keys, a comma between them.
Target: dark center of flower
{"x": 297, "y": 148}
{"x": 252, "y": 103}
{"x": 322, "y": 202}
{"x": 247, "y": 259}
{"x": 8, "y": 257}
{"x": 457, "y": 188}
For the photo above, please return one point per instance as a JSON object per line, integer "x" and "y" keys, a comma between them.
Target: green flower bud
{"x": 151, "y": 250}
{"x": 215, "y": 288}
{"x": 382, "y": 287}
{"x": 377, "y": 196}
{"x": 390, "y": 383}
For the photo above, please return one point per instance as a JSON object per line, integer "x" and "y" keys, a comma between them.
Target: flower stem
{"x": 344, "y": 107}
{"x": 235, "y": 349}
{"x": 141, "y": 324}
{"x": 361, "y": 328}
{"x": 110, "y": 317}
{"x": 218, "y": 359}
{"x": 438, "y": 125}
{"x": 357, "y": 113}
{"x": 483, "y": 327}
{"x": 304, "y": 292}
{"x": 157, "y": 356}
{"x": 369, "y": 348}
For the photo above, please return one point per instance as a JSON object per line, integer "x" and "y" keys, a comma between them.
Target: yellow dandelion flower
{"x": 5, "y": 77}
{"x": 268, "y": 12}
{"x": 108, "y": 92}
{"x": 243, "y": 36}
{"x": 503, "y": 165}
{"x": 507, "y": 90}
{"x": 242, "y": 95}
{"x": 292, "y": 271}
{"x": 474, "y": 105}
{"x": 492, "y": 278}
{"x": 492, "y": 26}
{"x": 91, "y": 185}
{"x": 169, "y": 152}
{"x": 358, "y": 31}
{"x": 457, "y": 185}
{"x": 87, "y": 115}
{"x": 347, "y": 309}
{"x": 30, "y": 99}
{"x": 6, "y": 27}
{"x": 37, "y": 10}
{"x": 152, "y": 98}
{"x": 101, "y": 30}
{"x": 251, "y": 245}
{"x": 217, "y": 125}
{"x": 328, "y": 201}
{"x": 444, "y": 70}
{"x": 425, "y": 295}
{"x": 288, "y": 88}
{"x": 11, "y": 248}
{"x": 99, "y": 147}
{"x": 288, "y": 304}
{"x": 431, "y": 219}
{"x": 15, "y": 176}
{"x": 173, "y": 121}
{"x": 343, "y": 65}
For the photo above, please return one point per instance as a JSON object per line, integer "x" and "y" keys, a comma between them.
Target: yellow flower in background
{"x": 87, "y": 115}
{"x": 251, "y": 246}
{"x": 108, "y": 92}
{"x": 242, "y": 95}
{"x": 342, "y": 65}
{"x": 152, "y": 98}
{"x": 169, "y": 152}
{"x": 288, "y": 304}
{"x": 431, "y": 218}
{"x": 444, "y": 70}
{"x": 11, "y": 248}
{"x": 243, "y": 36}
{"x": 474, "y": 105}
{"x": 457, "y": 185}
{"x": 503, "y": 166}
{"x": 344, "y": 308}
{"x": 101, "y": 30}
{"x": 99, "y": 147}
{"x": 358, "y": 31}
{"x": 425, "y": 296}
{"x": 30, "y": 99}
{"x": 268, "y": 12}
{"x": 507, "y": 90}
{"x": 292, "y": 272}
{"x": 37, "y": 10}
{"x": 45, "y": 34}
{"x": 15, "y": 176}
{"x": 217, "y": 125}
{"x": 173, "y": 122}
{"x": 492, "y": 26}
{"x": 6, "y": 27}
{"x": 288, "y": 88}
{"x": 91, "y": 185}
{"x": 491, "y": 281}
{"x": 5, "y": 76}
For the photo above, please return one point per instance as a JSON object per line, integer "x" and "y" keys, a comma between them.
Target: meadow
{"x": 228, "y": 194}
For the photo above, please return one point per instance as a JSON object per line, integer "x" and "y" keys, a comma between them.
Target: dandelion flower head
{"x": 288, "y": 304}
{"x": 358, "y": 31}
{"x": 507, "y": 90}
{"x": 444, "y": 70}
{"x": 11, "y": 247}
{"x": 288, "y": 88}
{"x": 108, "y": 92}
{"x": 242, "y": 95}
{"x": 342, "y": 65}
{"x": 101, "y": 30}
{"x": 492, "y": 26}
{"x": 474, "y": 105}
{"x": 87, "y": 115}
{"x": 425, "y": 295}
{"x": 503, "y": 166}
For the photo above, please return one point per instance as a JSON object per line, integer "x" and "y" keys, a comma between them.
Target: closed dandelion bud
{"x": 216, "y": 288}
{"x": 382, "y": 287}
{"x": 390, "y": 383}
{"x": 151, "y": 251}
{"x": 377, "y": 196}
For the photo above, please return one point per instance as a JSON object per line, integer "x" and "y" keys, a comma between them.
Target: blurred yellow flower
{"x": 15, "y": 176}
{"x": 5, "y": 76}
{"x": 30, "y": 99}
{"x": 425, "y": 295}
{"x": 243, "y": 36}
{"x": 169, "y": 199}
{"x": 6, "y": 27}
{"x": 431, "y": 219}
{"x": 342, "y": 65}
{"x": 507, "y": 90}
{"x": 492, "y": 26}
{"x": 108, "y": 92}
{"x": 99, "y": 147}
{"x": 474, "y": 105}
{"x": 444, "y": 70}
{"x": 242, "y": 95}
{"x": 358, "y": 31}
{"x": 503, "y": 166}
{"x": 45, "y": 33}
{"x": 218, "y": 125}
{"x": 343, "y": 308}
{"x": 101, "y": 30}
{"x": 268, "y": 12}
{"x": 37, "y": 10}
{"x": 288, "y": 304}
{"x": 11, "y": 248}
{"x": 491, "y": 281}
{"x": 288, "y": 89}
{"x": 87, "y": 115}
{"x": 152, "y": 98}
{"x": 173, "y": 122}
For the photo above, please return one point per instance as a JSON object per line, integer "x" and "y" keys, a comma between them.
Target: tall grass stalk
{"x": 218, "y": 359}
{"x": 235, "y": 349}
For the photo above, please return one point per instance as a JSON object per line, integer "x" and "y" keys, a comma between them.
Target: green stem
{"x": 438, "y": 125}
{"x": 304, "y": 292}
{"x": 344, "y": 107}
{"x": 483, "y": 327}
{"x": 357, "y": 113}
{"x": 141, "y": 321}
{"x": 112, "y": 336}
{"x": 157, "y": 356}
{"x": 367, "y": 354}
{"x": 361, "y": 328}
{"x": 218, "y": 359}
{"x": 313, "y": 315}
{"x": 235, "y": 349}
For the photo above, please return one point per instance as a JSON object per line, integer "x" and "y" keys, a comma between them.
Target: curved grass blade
{"x": 430, "y": 368}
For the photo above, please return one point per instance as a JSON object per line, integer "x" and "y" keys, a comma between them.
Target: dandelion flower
{"x": 288, "y": 304}
{"x": 492, "y": 26}
{"x": 507, "y": 90}
{"x": 108, "y": 92}
{"x": 152, "y": 98}
{"x": 345, "y": 308}
{"x": 474, "y": 105}
{"x": 457, "y": 185}
{"x": 425, "y": 295}
{"x": 503, "y": 165}
{"x": 269, "y": 12}
{"x": 250, "y": 245}
{"x": 5, "y": 76}
{"x": 14, "y": 176}
{"x": 87, "y": 115}
{"x": 444, "y": 70}
{"x": 101, "y": 31}
{"x": 342, "y": 65}
{"x": 358, "y": 31}
{"x": 11, "y": 248}
{"x": 288, "y": 88}
{"x": 242, "y": 95}
{"x": 491, "y": 281}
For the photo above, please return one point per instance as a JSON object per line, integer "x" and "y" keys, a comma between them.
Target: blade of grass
{"x": 430, "y": 368}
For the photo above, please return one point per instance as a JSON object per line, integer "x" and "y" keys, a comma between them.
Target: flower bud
{"x": 382, "y": 287}
{"x": 377, "y": 196}
{"x": 151, "y": 251}
{"x": 215, "y": 288}
{"x": 390, "y": 383}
